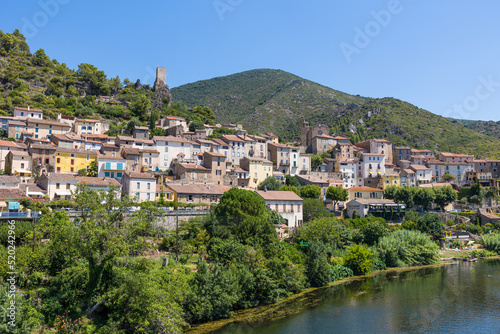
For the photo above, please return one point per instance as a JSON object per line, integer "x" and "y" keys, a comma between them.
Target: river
{"x": 461, "y": 297}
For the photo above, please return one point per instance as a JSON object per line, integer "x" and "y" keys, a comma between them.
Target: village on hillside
{"x": 46, "y": 160}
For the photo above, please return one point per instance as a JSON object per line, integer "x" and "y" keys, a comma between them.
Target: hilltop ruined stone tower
{"x": 161, "y": 89}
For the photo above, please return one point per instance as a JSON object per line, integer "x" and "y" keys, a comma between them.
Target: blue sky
{"x": 442, "y": 56}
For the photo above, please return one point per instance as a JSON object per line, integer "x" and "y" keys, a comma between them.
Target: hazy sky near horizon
{"x": 442, "y": 56}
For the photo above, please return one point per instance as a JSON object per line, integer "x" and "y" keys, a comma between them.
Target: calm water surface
{"x": 458, "y": 298}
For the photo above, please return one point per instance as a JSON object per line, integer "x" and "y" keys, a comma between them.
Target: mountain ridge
{"x": 277, "y": 101}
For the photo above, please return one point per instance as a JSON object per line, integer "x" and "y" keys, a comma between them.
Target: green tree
{"x": 424, "y": 197}
{"x": 292, "y": 181}
{"x": 140, "y": 106}
{"x": 431, "y": 224}
{"x": 390, "y": 192}
{"x": 337, "y": 194}
{"x": 324, "y": 230}
{"x": 290, "y": 188}
{"x": 205, "y": 114}
{"x": 448, "y": 177}
{"x": 316, "y": 161}
{"x": 359, "y": 259}
{"x": 314, "y": 208}
{"x": 444, "y": 196}
{"x": 196, "y": 125}
{"x": 406, "y": 195}
{"x": 103, "y": 235}
{"x": 132, "y": 124}
{"x": 372, "y": 232}
{"x": 92, "y": 170}
{"x": 310, "y": 191}
{"x": 90, "y": 74}
{"x": 41, "y": 59}
{"x": 239, "y": 203}
{"x": 27, "y": 319}
{"x": 318, "y": 270}
{"x": 270, "y": 183}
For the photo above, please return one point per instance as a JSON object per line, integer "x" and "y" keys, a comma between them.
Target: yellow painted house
{"x": 391, "y": 179}
{"x": 69, "y": 160}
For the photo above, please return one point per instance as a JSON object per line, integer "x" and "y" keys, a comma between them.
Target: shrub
{"x": 482, "y": 253}
{"x": 405, "y": 248}
{"x": 456, "y": 244}
{"x": 359, "y": 259}
{"x": 491, "y": 242}
{"x": 339, "y": 272}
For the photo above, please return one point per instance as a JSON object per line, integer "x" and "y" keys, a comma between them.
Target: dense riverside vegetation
{"x": 103, "y": 274}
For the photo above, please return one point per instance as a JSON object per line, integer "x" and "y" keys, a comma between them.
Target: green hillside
{"x": 277, "y": 101}
{"x": 262, "y": 100}
{"x": 490, "y": 128}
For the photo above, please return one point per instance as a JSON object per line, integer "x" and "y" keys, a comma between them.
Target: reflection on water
{"x": 458, "y": 298}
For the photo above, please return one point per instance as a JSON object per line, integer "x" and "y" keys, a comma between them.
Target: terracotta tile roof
{"x": 203, "y": 189}
{"x": 324, "y": 136}
{"x": 363, "y": 188}
{"x": 61, "y": 177}
{"x": 161, "y": 188}
{"x": 20, "y": 123}
{"x": 44, "y": 147}
{"x": 195, "y": 167}
{"x": 87, "y": 120}
{"x": 8, "y": 143}
{"x": 9, "y": 179}
{"x": 277, "y": 195}
{"x": 97, "y": 181}
{"x": 215, "y": 154}
{"x": 26, "y": 109}
{"x": 258, "y": 159}
{"x": 234, "y": 138}
{"x": 42, "y": 121}
{"x": 20, "y": 153}
{"x": 11, "y": 193}
{"x": 418, "y": 167}
{"x": 76, "y": 151}
{"x": 171, "y": 139}
{"x": 137, "y": 175}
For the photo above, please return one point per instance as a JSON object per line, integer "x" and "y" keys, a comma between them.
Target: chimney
{"x": 265, "y": 188}
{"x": 28, "y": 108}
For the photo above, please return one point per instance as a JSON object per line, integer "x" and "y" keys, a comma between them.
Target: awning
{"x": 63, "y": 193}
{"x": 25, "y": 171}
{"x": 3, "y": 204}
{"x": 35, "y": 193}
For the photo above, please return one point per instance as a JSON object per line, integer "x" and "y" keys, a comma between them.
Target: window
{"x": 22, "y": 165}
{"x": 149, "y": 185}
{"x": 106, "y": 174}
{"x": 58, "y": 160}
{"x": 88, "y": 157}
{"x": 58, "y": 185}
{"x": 190, "y": 197}
{"x": 138, "y": 185}
{"x": 72, "y": 161}
{"x": 148, "y": 196}
{"x": 67, "y": 186}
{"x": 137, "y": 195}
{"x": 36, "y": 136}
{"x": 58, "y": 169}
{"x": 72, "y": 155}
{"x": 72, "y": 169}
{"x": 46, "y": 161}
